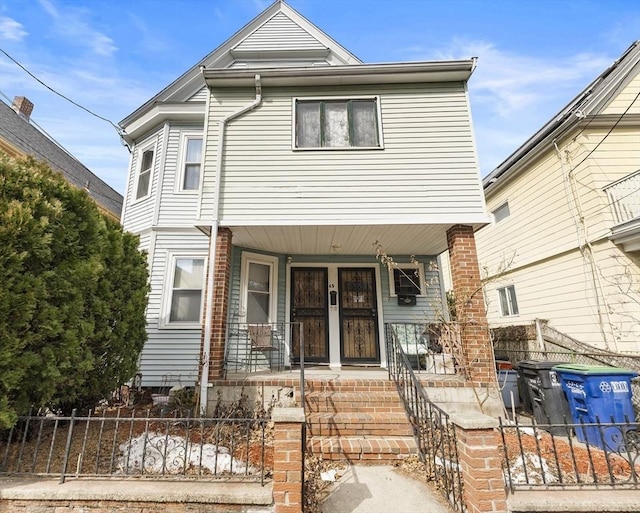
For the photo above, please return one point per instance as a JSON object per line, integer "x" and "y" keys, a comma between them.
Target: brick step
{"x": 382, "y": 450}
{"x": 366, "y": 386}
{"x": 379, "y": 402}
{"x": 358, "y": 424}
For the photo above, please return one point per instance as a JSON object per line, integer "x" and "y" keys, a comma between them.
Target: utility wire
{"x": 118, "y": 129}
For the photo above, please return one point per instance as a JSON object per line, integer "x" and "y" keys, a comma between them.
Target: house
{"x": 564, "y": 241}
{"x": 275, "y": 177}
{"x": 19, "y": 137}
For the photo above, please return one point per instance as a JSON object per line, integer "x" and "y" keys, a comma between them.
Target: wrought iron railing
{"x": 624, "y": 197}
{"x": 434, "y": 433}
{"x": 535, "y": 456}
{"x": 112, "y": 445}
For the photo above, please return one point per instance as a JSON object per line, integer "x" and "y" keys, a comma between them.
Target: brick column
{"x": 219, "y": 303}
{"x": 465, "y": 272}
{"x": 288, "y": 461}
{"x": 480, "y": 460}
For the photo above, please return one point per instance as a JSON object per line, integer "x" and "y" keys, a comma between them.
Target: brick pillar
{"x": 288, "y": 461}
{"x": 480, "y": 460}
{"x": 465, "y": 272}
{"x": 220, "y": 303}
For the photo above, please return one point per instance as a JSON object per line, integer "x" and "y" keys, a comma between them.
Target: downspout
{"x": 213, "y": 236}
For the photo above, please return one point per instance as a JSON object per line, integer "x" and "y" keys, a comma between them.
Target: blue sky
{"x": 534, "y": 56}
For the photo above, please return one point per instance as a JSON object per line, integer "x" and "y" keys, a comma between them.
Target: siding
{"x": 168, "y": 351}
{"x": 626, "y": 98}
{"x": 138, "y": 214}
{"x": 277, "y": 34}
{"x": 200, "y": 96}
{"x": 427, "y": 167}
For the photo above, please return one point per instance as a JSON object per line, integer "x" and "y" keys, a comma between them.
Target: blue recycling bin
{"x": 599, "y": 394}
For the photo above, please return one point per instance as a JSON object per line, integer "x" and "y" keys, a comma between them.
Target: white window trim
{"x": 400, "y": 265}
{"x": 140, "y": 152}
{"x": 294, "y": 126}
{"x": 167, "y": 295}
{"x": 510, "y": 314}
{"x": 502, "y": 205}
{"x": 184, "y": 139}
{"x": 272, "y": 262}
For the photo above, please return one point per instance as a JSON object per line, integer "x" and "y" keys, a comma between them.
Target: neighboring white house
{"x": 564, "y": 242}
{"x": 300, "y": 161}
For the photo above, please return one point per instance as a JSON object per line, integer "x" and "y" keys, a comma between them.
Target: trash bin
{"x": 599, "y": 394}
{"x": 525, "y": 397}
{"x": 508, "y": 383}
{"x": 546, "y": 395}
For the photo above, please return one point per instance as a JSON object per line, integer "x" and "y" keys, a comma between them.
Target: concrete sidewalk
{"x": 381, "y": 489}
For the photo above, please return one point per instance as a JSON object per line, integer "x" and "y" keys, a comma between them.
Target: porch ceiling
{"x": 343, "y": 240}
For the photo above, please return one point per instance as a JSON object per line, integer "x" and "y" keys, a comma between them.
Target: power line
{"x": 118, "y": 129}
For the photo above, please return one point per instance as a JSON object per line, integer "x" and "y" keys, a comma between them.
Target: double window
{"x": 258, "y": 287}
{"x": 187, "y": 282}
{"x": 144, "y": 175}
{"x": 337, "y": 123}
{"x": 191, "y": 162}
{"x": 508, "y": 302}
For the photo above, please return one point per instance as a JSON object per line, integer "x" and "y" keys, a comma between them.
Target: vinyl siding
{"x": 427, "y": 166}
{"x": 626, "y": 99}
{"x": 138, "y": 214}
{"x": 200, "y": 96}
{"x": 277, "y": 34}
{"x": 169, "y": 351}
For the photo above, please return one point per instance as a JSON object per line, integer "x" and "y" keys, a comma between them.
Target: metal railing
{"x": 112, "y": 445}
{"x": 624, "y": 197}
{"x": 535, "y": 456}
{"x": 435, "y": 435}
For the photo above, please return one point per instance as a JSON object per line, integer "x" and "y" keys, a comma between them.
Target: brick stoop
{"x": 357, "y": 420}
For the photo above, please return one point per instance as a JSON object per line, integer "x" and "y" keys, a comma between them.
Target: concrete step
{"x": 340, "y": 402}
{"x": 380, "y": 450}
{"x": 358, "y": 424}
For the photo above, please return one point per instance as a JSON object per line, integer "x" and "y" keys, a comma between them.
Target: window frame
{"x": 503, "y": 207}
{"x": 172, "y": 259}
{"x": 273, "y": 262}
{"x": 185, "y": 137}
{"x": 511, "y": 300}
{"x": 407, "y": 267}
{"x": 140, "y": 159}
{"x": 329, "y": 99}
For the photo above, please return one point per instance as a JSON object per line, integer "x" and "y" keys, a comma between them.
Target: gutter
{"x": 213, "y": 236}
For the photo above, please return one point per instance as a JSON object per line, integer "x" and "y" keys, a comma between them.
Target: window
{"x": 407, "y": 281}
{"x": 337, "y": 123}
{"x": 186, "y": 290}
{"x": 192, "y": 154}
{"x": 259, "y": 282}
{"x": 502, "y": 212}
{"x": 508, "y": 303}
{"x": 144, "y": 176}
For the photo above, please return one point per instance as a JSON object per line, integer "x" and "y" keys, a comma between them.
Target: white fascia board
{"x": 189, "y": 111}
{"x": 443, "y": 71}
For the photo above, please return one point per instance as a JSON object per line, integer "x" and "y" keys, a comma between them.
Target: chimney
{"x": 22, "y": 106}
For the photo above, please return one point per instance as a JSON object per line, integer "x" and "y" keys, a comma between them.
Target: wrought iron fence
{"x": 434, "y": 433}
{"x": 112, "y": 445}
{"x": 536, "y": 456}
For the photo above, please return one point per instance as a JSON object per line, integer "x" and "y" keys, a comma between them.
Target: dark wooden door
{"x": 358, "y": 316}
{"x": 309, "y": 306}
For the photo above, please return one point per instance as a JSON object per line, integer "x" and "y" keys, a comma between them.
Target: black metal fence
{"x": 552, "y": 455}
{"x": 434, "y": 433}
{"x": 112, "y": 445}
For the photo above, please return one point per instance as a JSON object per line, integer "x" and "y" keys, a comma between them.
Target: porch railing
{"x": 435, "y": 435}
{"x": 535, "y": 457}
{"x": 112, "y": 445}
{"x": 624, "y": 197}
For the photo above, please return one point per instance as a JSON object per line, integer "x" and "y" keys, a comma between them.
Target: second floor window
{"x": 191, "y": 165}
{"x": 144, "y": 177}
{"x": 337, "y": 124}
{"x": 508, "y": 302}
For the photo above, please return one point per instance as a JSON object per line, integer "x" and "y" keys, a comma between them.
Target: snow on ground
{"x": 169, "y": 455}
{"x": 537, "y": 470}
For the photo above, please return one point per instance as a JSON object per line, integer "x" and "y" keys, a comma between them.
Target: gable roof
{"x": 22, "y": 135}
{"x": 278, "y": 31}
{"x": 591, "y": 100}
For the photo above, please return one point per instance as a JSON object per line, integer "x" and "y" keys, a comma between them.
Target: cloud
{"x": 71, "y": 25}
{"x": 11, "y": 30}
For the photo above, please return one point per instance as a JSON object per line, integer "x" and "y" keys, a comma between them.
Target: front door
{"x": 309, "y": 307}
{"x": 358, "y": 316}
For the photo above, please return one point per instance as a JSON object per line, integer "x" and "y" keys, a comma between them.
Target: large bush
{"x": 73, "y": 289}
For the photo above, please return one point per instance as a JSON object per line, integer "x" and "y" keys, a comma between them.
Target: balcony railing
{"x": 624, "y": 197}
